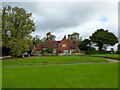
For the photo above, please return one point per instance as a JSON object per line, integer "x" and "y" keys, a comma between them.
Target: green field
{"x": 52, "y": 60}
{"x": 60, "y": 72}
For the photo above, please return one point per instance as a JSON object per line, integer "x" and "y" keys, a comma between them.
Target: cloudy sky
{"x": 63, "y": 18}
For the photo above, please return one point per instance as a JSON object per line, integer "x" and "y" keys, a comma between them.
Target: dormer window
{"x": 64, "y": 45}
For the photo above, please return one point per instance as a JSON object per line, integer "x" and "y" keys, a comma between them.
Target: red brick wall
{"x": 61, "y": 49}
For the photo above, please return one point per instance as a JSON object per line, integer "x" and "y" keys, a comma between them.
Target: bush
{"x": 105, "y": 52}
{"x": 50, "y": 50}
{"x": 47, "y": 51}
{"x": 91, "y": 51}
{"x": 118, "y": 52}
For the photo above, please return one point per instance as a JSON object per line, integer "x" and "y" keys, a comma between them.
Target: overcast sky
{"x": 63, "y": 18}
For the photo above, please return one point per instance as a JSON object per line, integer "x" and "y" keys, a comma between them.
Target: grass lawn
{"x": 112, "y": 56}
{"x": 52, "y": 60}
{"x": 58, "y": 75}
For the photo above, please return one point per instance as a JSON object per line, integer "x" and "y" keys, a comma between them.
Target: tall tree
{"x": 103, "y": 37}
{"x": 18, "y": 23}
{"x": 70, "y": 37}
{"x": 36, "y": 40}
{"x": 50, "y": 36}
{"x": 74, "y": 36}
{"x": 84, "y": 45}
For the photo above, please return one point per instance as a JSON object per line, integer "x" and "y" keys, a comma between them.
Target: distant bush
{"x": 91, "y": 51}
{"x": 118, "y": 52}
{"x": 105, "y": 52}
{"x": 50, "y": 50}
{"x": 47, "y": 52}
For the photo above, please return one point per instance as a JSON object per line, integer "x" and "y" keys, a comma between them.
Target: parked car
{"x": 26, "y": 55}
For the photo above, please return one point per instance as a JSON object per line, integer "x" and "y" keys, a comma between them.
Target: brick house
{"x": 62, "y": 47}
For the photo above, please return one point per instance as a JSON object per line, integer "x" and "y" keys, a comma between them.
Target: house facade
{"x": 64, "y": 46}
{"x": 61, "y": 47}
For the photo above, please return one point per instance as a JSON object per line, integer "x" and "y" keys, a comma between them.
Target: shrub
{"x": 50, "y": 50}
{"x": 105, "y": 52}
{"x": 47, "y": 51}
{"x": 91, "y": 51}
{"x": 118, "y": 52}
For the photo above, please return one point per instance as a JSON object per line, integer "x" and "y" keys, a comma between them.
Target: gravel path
{"x": 113, "y": 60}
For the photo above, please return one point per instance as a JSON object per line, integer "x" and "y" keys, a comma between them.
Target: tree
{"x": 74, "y": 36}
{"x": 70, "y": 37}
{"x": 84, "y": 45}
{"x": 36, "y": 40}
{"x": 20, "y": 24}
{"x": 103, "y": 37}
{"x": 118, "y": 51}
{"x": 50, "y": 36}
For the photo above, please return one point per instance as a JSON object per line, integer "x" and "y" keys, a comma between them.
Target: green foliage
{"x": 20, "y": 23}
{"x": 47, "y": 50}
{"x": 50, "y": 36}
{"x": 50, "y": 50}
{"x": 103, "y": 37}
{"x": 118, "y": 52}
{"x": 5, "y": 49}
{"x": 84, "y": 45}
{"x": 74, "y": 36}
{"x": 91, "y": 51}
{"x": 36, "y": 40}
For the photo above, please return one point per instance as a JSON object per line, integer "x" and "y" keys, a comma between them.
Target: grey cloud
{"x": 68, "y": 14}
{"x": 61, "y": 15}
{"x": 53, "y": 15}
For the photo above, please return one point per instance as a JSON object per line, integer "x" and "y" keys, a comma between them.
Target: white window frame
{"x": 64, "y": 45}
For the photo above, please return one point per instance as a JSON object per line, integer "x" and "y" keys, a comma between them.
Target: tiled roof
{"x": 50, "y": 44}
{"x": 47, "y": 44}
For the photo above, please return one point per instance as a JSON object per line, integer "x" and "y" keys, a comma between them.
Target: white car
{"x": 26, "y": 55}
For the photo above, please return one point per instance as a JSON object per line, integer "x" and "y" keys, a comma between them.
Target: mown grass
{"x": 52, "y": 60}
{"x": 59, "y": 72}
{"x": 61, "y": 76}
{"x": 112, "y": 56}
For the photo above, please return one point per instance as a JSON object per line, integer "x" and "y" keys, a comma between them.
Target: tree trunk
{"x": 100, "y": 46}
